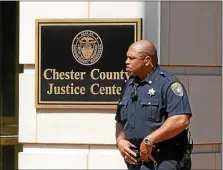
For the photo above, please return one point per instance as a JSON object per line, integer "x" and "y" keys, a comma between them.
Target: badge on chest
{"x": 151, "y": 92}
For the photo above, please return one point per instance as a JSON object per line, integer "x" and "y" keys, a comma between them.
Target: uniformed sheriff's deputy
{"x": 152, "y": 114}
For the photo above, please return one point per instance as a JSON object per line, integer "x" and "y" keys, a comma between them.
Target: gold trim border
{"x": 137, "y": 22}
{"x": 8, "y": 140}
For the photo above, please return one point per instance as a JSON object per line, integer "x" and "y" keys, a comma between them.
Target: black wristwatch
{"x": 148, "y": 142}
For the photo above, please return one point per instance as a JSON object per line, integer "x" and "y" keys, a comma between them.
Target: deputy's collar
{"x": 150, "y": 76}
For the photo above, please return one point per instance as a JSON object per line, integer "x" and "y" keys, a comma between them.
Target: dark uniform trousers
{"x": 167, "y": 157}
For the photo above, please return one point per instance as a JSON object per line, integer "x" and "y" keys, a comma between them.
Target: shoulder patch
{"x": 177, "y": 89}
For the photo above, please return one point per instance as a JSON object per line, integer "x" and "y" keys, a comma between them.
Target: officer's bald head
{"x": 147, "y": 48}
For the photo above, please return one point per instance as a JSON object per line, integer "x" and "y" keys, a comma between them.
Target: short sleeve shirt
{"x": 145, "y": 105}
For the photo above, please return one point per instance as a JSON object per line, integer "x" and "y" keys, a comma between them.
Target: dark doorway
{"x": 9, "y": 19}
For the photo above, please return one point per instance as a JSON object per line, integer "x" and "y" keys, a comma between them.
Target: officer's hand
{"x": 145, "y": 152}
{"x": 126, "y": 152}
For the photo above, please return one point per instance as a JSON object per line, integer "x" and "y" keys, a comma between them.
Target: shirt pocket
{"x": 150, "y": 109}
{"x": 123, "y": 108}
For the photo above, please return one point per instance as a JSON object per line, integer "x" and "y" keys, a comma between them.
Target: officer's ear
{"x": 148, "y": 60}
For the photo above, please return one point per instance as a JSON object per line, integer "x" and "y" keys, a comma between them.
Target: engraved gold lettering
{"x": 45, "y": 74}
{"x": 50, "y": 91}
{"x": 108, "y": 90}
{"x": 127, "y": 75}
{"x": 92, "y": 89}
{"x": 67, "y": 77}
{"x": 61, "y": 75}
{"x": 63, "y": 90}
{"x": 96, "y": 74}
{"x": 55, "y": 74}
{"x": 72, "y": 75}
{"x": 67, "y": 89}
{"x": 52, "y": 74}
{"x": 92, "y": 74}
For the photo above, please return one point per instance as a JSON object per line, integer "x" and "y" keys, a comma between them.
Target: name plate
{"x": 81, "y": 63}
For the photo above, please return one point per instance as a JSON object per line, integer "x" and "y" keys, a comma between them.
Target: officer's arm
{"x": 119, "y": 133}
{"x": 179, "y": 113}
{"x": 171, "y": 127}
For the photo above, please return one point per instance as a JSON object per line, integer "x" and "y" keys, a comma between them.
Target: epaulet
{"x": 168, "y": 76}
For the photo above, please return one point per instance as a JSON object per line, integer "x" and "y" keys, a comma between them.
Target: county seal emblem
{"x": 87, "y": 47}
